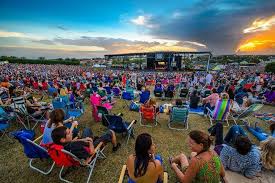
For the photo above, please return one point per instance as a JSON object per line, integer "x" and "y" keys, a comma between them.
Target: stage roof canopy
{"x": 157, "y": 52}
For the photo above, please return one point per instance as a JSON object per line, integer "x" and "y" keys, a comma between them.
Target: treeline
{"x": 40, "y": 60}
{"x": 270, "y": 67}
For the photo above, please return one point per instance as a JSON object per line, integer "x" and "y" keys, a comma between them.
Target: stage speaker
{"x": 178, "y": 61}
{"x": 151, "y": 61}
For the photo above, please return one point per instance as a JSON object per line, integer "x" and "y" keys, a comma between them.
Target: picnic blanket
{"x": 198, "y": 110}
{"x": 265, "y": 116}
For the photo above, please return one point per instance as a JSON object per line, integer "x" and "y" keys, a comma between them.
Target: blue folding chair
{"x": 57, "y": 104}
{"x": 117, "y": 124}
{"x": 127, "y": 96}
{"x": 4, "y": 126}
{"x": 32, "y": 150}
{"x": 144, "y": 96}
{"x": 116, "y": 92}
{"x": 169, "y": 93}
{"x": 108, "y": 90}
{"x": 52, "y": 90}
{"x": 158, "y": 91}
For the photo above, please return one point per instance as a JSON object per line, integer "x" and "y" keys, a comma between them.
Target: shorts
{"x": 107, "y": 137}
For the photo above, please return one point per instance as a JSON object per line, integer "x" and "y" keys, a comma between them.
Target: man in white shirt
{"x": 208, "y": 78}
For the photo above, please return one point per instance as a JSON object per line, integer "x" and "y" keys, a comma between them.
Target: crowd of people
{"x": 235, "y": 152}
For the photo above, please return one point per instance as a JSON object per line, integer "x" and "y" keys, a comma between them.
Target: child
{"x": 82, "y": 148}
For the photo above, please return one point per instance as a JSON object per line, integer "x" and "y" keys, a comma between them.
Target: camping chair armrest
{"x": 165, "y": 177}
{"x": 35, "y": 140}
{"x": 122, "y": 174}
{"x": 98, "y": 147}
{"x": 209, "y": 111}
{"x": 131, "y": 124}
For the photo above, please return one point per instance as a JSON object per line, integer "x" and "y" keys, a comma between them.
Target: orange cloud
{"x": 261, "y": 25}
{"x": 261, "y": 40}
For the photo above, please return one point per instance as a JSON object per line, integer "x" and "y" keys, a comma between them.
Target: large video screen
{"x": 159, "y": 56}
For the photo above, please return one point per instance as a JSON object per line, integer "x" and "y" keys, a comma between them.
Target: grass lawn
{"x": 14, "y": 164}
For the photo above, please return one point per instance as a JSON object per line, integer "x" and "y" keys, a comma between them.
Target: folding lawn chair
{"x": 32, "y": 150}
{"x": 220, "y": 112}
{"x": 169, "y": 93}
{"x": 148, "y": 115}
{"x": 60, "y": 104}
{"x": 98, "y": 112}
{"x": 206, "y": 93}
{"x": 22, "y": 114}
{"x": 102, "y": 93}
{"x": 4, "y": 123}
{"x": 108, "y": 90}
{"x": 76, "y": 103}
{"x": 184, "y": 92}
{"x": 125, "y": 172}
{"x": 179, "y": 115}
{"x": 51, "y": 91}
{"x": 64, "y": 159}
{"x": 116, "y": 123}
{"x": 144, "y": 96}
{"x": 116, "y": 92}
{"x": 247, "y": 113}
{"x": 96, "y": 100}
{"x": 127, "y": 96}
{"x": 158, "y": 90}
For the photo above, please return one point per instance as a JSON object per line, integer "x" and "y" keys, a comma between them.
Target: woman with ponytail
{"x": 144, "y": 166}
{"x": 204, "y": 164}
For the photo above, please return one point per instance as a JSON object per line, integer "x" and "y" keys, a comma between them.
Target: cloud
{"x": 102, "y": 45}
{"x": 67, "y": 48}
{"x": 8, "y": 34}
{"x": 263, "y": 24}
{"x": 12, "y": 34}
{"x": 48, "y": 53}
{"x": 144, "y": 20}
{"x": 216, "y": 23}
{"x": 195, "y": 43}
{"x": 62, "y": 28}
{"x": 119, "y": 45}
{"x": 258, "y": 42}
{"x": 177, "y": 14}
{"x": 44, "y": 41}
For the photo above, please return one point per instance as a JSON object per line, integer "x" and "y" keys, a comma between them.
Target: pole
{"x": 207, "y": 69}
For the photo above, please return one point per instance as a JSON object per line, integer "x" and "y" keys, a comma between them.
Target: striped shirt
{"x": 248, "y": 165}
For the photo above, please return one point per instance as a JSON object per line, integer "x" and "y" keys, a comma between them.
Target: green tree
{"x": 270, "y": 67}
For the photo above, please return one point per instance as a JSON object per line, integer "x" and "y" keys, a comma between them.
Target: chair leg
{"x": 39, "y": 170}
{"x": 60, "y": 176}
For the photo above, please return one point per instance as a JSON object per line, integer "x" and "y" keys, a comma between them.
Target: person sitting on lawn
{"x": 82, "y": 148}
{"x": 211, "y": 100}
{"x": 56, "y": 120}
{"x": 269, "y": 96}
{"x": 236, "y": 150}
{"x": 268, "y": 153}
{"x": 243, "y": 158}
{"x": 259, "y": 133}
{"x": 194, "y": 100}
{"x": 237, "y": 109}
{"x": 144, "y": 166}
{"x": 204, "y": 166}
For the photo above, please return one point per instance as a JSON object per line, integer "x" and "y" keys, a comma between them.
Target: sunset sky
{"x": 89, "y": 28}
